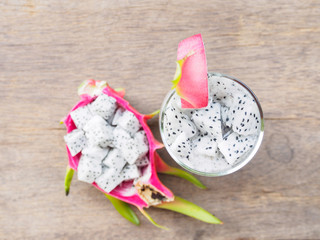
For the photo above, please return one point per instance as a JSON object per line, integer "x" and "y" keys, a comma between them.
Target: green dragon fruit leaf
{"x": 190, "y": 209}
{"x": 151, "y": 220}
{"x": 164, "y": 168}
{"x": 68, "y": 179}
{"x": 124, "y": 209}
{"x": 153, "y": 114}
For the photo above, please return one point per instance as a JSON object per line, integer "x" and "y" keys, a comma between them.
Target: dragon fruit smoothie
{"x": 218, "y": 139}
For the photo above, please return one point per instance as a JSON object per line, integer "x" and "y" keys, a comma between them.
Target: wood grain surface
{"x": 48, "y": 47}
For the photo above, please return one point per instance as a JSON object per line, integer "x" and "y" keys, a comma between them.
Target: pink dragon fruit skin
{"x": 124, "y": 191}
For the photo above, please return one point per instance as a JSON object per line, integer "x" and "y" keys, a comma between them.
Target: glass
{"x": 245, "y": 158}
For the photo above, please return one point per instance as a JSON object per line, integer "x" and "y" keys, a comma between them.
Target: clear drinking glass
{"x": 244, "y": 159}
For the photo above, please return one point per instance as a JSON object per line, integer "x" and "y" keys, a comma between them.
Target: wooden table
{"x": 48, "y": 47}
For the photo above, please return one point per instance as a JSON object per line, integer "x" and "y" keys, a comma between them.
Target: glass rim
{"x": 237, "y": 166}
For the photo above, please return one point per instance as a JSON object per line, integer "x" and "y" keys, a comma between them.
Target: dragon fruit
{"x": 88, "y": 169}
{"x": 115, "y": 160}
{"x": 226, "y": 130}
{"x": 117, "y": 115}
{"x": 81, "y": 116}
{"x": 129, "y": 122}
{"x": 235, "y": 145}
{"x": 99, "y": 132}
{"x": 208, "y": 120}
{"x": 104, "y": 106}
{"x": 121, "y": 160}
{"x": 191, "y": 81}
{"x": 75, "y": 141}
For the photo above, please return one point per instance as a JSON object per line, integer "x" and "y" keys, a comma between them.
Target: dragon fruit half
{"x": 111, "y": 146}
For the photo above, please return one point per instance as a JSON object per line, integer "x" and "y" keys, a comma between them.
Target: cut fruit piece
{"x": 115, "y": 160}
{"x": 208, "y": 120}
{"x": 88, "y": 169}
{"x": 109, "y": 180}
{"x": 142, "y": 162}
{"x": 81, "y": 116}
{"x": 129, "y": 172}
{"x": 75, "y": 141}
{"x": 117, "y": 115}
{"x": 104, "y": 106}
{"x": 99, "y": 132}
{"x": 95, "y": 152}
{"x": 235, "y": 146}
{"x": 129, "y": 122}
{"x": 191, "y": 79}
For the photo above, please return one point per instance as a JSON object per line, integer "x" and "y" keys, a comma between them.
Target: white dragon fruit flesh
{"x": 117, "y": 115}
{"x": 208, "y": 120}
{"x": 75, "y": 141}
{"x": 142, "y": 162}
{"x": 89, "y": 169}
{"x": 129, "y": 122}
{"x": 115, "y": 160}
{"x": 175, "y": 121}
{"x": 109, "y": 180}
{"x": 182, "y": 146}
{"x": 81, "y": 116}
{"x": 235, "y": 145}
{"x": 95, "y": 152}
{"x": 104, "y": 106}
{"x": 116, "y": 148}
{"x": 214, "y": 138}
{"x": 129, "y": 172}
{"x": 99, "y": 132}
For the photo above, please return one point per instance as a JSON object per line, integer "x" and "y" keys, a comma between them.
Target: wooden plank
{"x": 48, "y": 48}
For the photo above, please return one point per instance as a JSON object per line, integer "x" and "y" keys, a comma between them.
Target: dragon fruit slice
{"x": 117, "y": 115}
{"x": 130, "y": 172}
{"x": 138, "y": 197}
{"x": 246, "y": 116}
{"x": 121, "y": 136}
{"x": 104, "y": 106}
{"x": 95, "y": 152}
{"x": 222, "y": 89}
{"x": 142, "y": 162}
{"x": 146, "y": 189}
{"x": 235, "y": 145}
{"x": 88, "y": 169}
{"x": 208, "y": 120}
{"x": 205, "y": 146}
{"x": 141, "y": 142}
{"x": 81, "y": 116}
{"x": 99, "y": 132}
{"x": 129, "y": 122}
{"x": 115, "y": 160}
{"x": 109, "y": 180}
{"x": 75, "y": 141}
{"x": 191, "y": 81}
{"x": 182, "y": 146}
{"x": 175, "y": 120}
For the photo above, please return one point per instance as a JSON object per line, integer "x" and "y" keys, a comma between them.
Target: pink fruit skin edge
{"x": 191, "y": 90}
{"x": 153, "y": 145}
